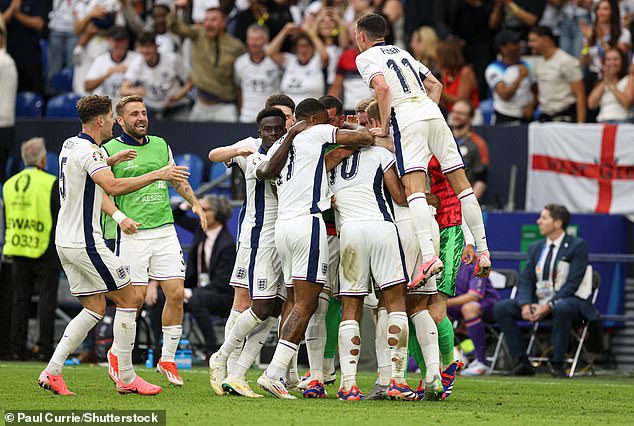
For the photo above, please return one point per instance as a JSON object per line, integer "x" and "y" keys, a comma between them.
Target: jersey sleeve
{"x": 133, "y": 72}
{"x": 252, "y": 163}
{"x": 477, "y": 287}
{"x": 96, "y": 69}
{"x": 367, "y": 69}
{"x": 328, "y": 135}
{"x": 386, "y": 158}
{"x": 170, "y": 156}
{"x": 493, "y": 75}
{"x": 239, "y": 160}
{"x": 92, "y": 160}
{"x": 423, "y": 70}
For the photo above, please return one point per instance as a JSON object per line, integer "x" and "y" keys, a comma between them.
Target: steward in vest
{"x": 31, "y": 202}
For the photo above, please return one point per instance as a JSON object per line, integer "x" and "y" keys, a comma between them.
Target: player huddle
{"x": 334, "y": 213}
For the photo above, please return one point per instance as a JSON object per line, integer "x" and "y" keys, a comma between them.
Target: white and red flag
{"x": 589, "y": 168}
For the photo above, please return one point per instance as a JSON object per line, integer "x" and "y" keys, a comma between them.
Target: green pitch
{"x": 491, "y": 400}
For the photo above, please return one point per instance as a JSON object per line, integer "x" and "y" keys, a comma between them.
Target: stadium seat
{"x": 195, "y": 164}
{"x": 29, "y": 104}
{"x": 502, "y": 279}
{"x": 486, "y": 107}
{"x": 44, "y": 49}
{"x": 217, "y": 171}
{"x": 52, "y": 163}
{"x": 62, "y": 82}
{"x": 62, "y": 106}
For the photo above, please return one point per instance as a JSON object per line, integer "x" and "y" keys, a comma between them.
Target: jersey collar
{"x": 129, "y": 140}
{"x": 379, "y": 43}
{"x": 89, "y": 138}
{"x": 261, "y": 150}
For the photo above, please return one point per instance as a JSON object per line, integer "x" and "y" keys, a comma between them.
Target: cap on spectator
{"x": 147, "y": 37}
{"x": 118, "y": 33}
{"x": 506, "y": 37}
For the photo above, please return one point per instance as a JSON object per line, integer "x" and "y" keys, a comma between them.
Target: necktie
{"x": 547, "y": 262}
{"x": 203, "y": 259}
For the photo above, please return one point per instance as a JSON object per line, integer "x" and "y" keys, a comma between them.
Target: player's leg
{"x": 333, "y": 315}
{"x": 350, "y": 346}
{"x": 316, "y": 337}
{"x": 472, "y": 314}
{"x": 383, "y": 352}
{"x": 172, "y": 327}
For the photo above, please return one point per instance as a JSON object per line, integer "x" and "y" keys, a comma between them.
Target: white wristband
{"x": 118, "y": 216}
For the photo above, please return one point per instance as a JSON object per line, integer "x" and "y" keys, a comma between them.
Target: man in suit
{"x": 547, "y": 289}
{"x": 209, "y": 265}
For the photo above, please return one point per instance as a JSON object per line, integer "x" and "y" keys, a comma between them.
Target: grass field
{"x": 492, "y": 400}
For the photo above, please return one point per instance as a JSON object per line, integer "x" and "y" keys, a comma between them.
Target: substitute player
{"x": 401, "y": 84}
{"x": 93, "y": 271}
{"x": 300, "y": 234}
{"x": 153, "y": 252}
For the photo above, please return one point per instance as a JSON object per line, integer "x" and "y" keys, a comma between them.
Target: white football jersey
{"x": 258, "y": 226}
{"x": 302, "y": 185}
{"x": 357, "y": 185}
{"x": 404, "y": 75}
{"x": 79, "y": 220}
{"x": 257, "y": 81}
{"x": 161, "y": 81}
{"x": 111, "y": 86}
{"x": 303, "y": 81}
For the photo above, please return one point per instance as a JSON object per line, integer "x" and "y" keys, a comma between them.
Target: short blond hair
{"x": 373, "y": 111}
{"x": 126, "y": 100}
{"x": 361, "y": 106}
{"x": 33, "y": 151}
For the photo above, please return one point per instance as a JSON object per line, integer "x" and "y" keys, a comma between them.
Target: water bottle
{"x": 72, "y": 362}
{"x": 183, "y": 357}
{"x": 149, "y": 362}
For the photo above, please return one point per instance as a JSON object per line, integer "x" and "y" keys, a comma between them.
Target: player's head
{"x": 370, "y": 29}
{"x": 33, "y": 152}
{"x": 311, "y": 110}
{"x": 217, "y": 209}
{"x": 508, "y": 44}
{"x": 553, "y": 220}
{"x": 132, "y": 116}
{"x": 257, "y": 38}
{"x": 461, "y": 116}
{"x": 118, "y": 42}
{"x": 271, "y": 126}
{"x": 360, "y": 110}
{"x": 214, "y": 22}
{"x": 334, "y": 107}
{"x": 147, "y": 47}
{"x": 285, "y": 104}
{"x": 95, "y": 114}
{"x": 373, "y": 114}
{"x": 159, "y": 16}
{"x": 541, "y": 39}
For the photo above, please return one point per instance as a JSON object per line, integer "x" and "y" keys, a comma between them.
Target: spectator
{"x": 559, "y": 80}
{"x": 161, "y": 79}
{"x": 516, "y": 15}
{"x": 473, "y": 302}
{"x": 457, "y": 77}
{"x": 392, "y": 11}
{"x": 424, "y": 46}
{"x": 348, "y": 81}
{"x": 107, "y": 72}
{"x": 361, "y": 111}
{"x": 473, "y": 148}
{"x": 574, "y": 14}
{"x": 166, "y": 41}
{"x": 607, "y": 31}
{"x": 209, "y": 265}
{"x": 61, "y": 38}
{"x": 304, "y": 70}
{"x": 547, "y": 287}
{"x": 8, "y": 91}
{"x": 614, "y": 94}
{"x": 328, "y": 26}
{"x": 24, "y": 21}
{"x": 269, "y": 13}
{"x": 285, "y": 104}
{"x": 256, "y": 75}
{"x": 509, "y": 81}
{"x": 213, "y": 54}
{"x": 31, "y": 197}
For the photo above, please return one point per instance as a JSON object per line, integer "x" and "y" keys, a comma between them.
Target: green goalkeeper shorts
{"x": 451, "y": 247}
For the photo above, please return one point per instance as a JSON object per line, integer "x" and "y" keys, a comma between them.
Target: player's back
{"x": 78, "y": 223}
{"x": 302, "y": 185}
{"x": 357, "y": 184}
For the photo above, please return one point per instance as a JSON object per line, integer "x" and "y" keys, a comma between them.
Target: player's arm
{"x": 129, "y": 226}
{"x": 337, "y": 155}
{"x": 395, "y": 186}
{"x": 122, "y": 186}
{"x": 359, "y": 137}
{"x": 384, "y": 99}
{"x": 224, "y": 154}
{"x": 433, "y": 88}
{"x": 185, "y": 190}
{"x": 462, "y": 299}
{"x": 128, "y": 88}
{"x": 121, "y": 156}
{"x": 274, "y": 51}
{"x": 270, "y": 168}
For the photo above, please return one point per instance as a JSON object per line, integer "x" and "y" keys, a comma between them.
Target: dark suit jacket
{"x": 572, "y": 250}
{"x": 222, "y": 258}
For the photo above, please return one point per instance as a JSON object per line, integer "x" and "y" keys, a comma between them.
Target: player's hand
{"x": 118, "y": 69}
{"x": 433, "y": 200}
{"x": 468, "y": 254}
{"x": 98, "y": 11}
{"x": 384, "y": 142}
{"x": 129, "y": 226}
{"x": 379, "y": 132}
{"x": 174, "y": 172}
{"x": 181, "y": 4}
{"x": 245, "y": 152}
{"x": 152, "y": 293}
{"x": 527, "y": 315}
{"x": 198, "y": 211}
{"x": 333, "y": 202}
{"x": 299, "y": 127}
{"x": 121, "y": 156}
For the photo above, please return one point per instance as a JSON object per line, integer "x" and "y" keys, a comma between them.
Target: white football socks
{"x": 349, "y": 349}
{"x": 124, "y": 333}
{"x": 171, "y": 338}
{"x": 472, "y": 214}
{"x": 252, "y": 347}
{"x": 74, "y": 334}
{"x": 427, "y": 335}
{"x": 233, "y": 358}
{"x": 421, "y": 220}
{"x": 382, "y": 349}
{"x": 316, "y": 339}
{"x": 244, "y": 324}
{"x": 284, "y": 352}
{"x": 397, "y": 335}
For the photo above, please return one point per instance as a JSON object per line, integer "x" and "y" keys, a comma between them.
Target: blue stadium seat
{"x": 44, "y": 48}
{"x": 62, "y": 106}
{"x": 52, "y": 163}
{"x": 196, "y": 166}
{"x": 217, "y": 170}
{"x": 29, "y": 104}
{"x": 486, "y": 107}
{"x": 62, "y": 82}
